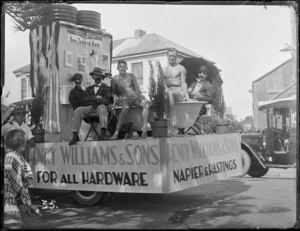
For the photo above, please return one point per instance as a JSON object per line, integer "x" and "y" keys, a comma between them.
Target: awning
{"x": 278, "y": 103}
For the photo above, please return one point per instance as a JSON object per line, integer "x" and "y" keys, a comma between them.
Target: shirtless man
{"x": 175, "y": 79}
{"x": 124, "y": 85}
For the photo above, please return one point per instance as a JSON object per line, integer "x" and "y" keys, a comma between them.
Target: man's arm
{"x": 74, "y": 100}
{"x": 136, "y": 86}
{"x": 183, "y": 83}
{"x": 115, "y": 96}
{"x": 207, "y": 95}
{"x": 113, "y": 86}
{"x": 106, "y": 99}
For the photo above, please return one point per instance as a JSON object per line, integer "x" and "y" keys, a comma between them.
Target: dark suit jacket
{"x": 207, "y": 90}
{"x": 76, "y": 97}
{"x": 104, "y": 91}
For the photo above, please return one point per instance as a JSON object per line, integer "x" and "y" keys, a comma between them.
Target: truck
{"x": 93, "y": 169}
{"x": 275, "y": 146}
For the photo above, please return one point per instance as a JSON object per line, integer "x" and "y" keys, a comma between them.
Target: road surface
{"x": 267, "y": 202}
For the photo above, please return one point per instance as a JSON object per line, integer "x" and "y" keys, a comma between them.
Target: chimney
{"x": 139, "y": 33}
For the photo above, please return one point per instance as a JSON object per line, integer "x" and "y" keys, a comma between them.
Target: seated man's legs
{"x": 79, "y": 114}
{"x": 145, "y": 104}
{"x": 122, "y": 118}
{"x": 102, "y": 111}
{"x": 175, "y": 96}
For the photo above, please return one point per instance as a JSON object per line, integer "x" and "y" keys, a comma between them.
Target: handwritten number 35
{"x": 50, "y": 205}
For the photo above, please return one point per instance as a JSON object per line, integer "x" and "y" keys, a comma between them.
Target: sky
{"x": 243, "y": 41}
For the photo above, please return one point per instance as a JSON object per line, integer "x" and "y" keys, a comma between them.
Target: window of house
{"x": 25, "y": 88}
{"x": 137, "y": 70}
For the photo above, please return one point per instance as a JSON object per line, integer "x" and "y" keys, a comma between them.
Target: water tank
{"x": 63, "y": 13}
{"x": 89, "y": 18}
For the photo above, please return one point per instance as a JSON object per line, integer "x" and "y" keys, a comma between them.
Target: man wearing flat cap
{"x": 77, "y": 94}
{"x": 95, "y": 99}
{"x": 18, "y": 122}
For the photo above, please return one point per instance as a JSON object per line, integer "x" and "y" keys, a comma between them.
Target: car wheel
{"x": 258, "y": 172}
{"x": 246, "y": 163}
{"x": 90, "y": 197}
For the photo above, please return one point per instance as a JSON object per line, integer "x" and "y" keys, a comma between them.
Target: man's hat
{"x": 97, "y": 71}
{"x": 77, "y": 76}
{"x": 19, "y": 110}
{"x": 108, "y": 75}
{"x": 203, "y": 68}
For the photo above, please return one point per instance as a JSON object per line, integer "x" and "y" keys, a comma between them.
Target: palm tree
{"x": 27, "y": 15}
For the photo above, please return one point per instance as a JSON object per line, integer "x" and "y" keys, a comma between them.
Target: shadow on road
{"x": 131, "y": 210}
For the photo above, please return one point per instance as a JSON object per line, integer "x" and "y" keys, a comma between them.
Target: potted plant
{"x": 219, "y": 108}
{"x": 157, "y": 95}
{"x": 37, "y": 110}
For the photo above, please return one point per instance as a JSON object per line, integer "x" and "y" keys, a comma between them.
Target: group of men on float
{"x": 124, "y": 86}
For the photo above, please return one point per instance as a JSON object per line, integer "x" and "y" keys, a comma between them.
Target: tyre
{"x": 91, "y": 197}
{"x": 258, "y": 171}
{"x": 246, "y": 163}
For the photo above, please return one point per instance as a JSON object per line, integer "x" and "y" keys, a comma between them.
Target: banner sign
{"x": 141, "y": 166}
{"x": 197, "y": 160}
{"x": 115, "y": 166}
{"x": 84, "y": 38}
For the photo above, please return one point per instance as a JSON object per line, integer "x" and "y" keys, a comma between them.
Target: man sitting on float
{"x": 202, "y": 89}
{"x": 98, "y": 98}
{"x": 125, "y": 87}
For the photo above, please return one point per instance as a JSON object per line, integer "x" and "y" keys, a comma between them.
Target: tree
{"x": 157, "y": 90}
{"x": 28, "y": 15}
{"x": 38, "y": 104}
{"x": 219, "y": 102}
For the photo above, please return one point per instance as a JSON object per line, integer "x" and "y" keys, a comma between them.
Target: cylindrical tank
{"x": 62, "y": 13}
{"x": 89, "y": 18}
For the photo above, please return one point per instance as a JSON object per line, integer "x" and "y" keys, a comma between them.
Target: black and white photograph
{"x": 150, "y": 115}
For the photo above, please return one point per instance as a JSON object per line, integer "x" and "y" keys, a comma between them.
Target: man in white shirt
{"x": 18, "y": 122}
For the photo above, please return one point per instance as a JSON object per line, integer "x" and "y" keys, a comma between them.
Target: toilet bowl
{"x": 135, "y": 116}
{"x": 184, "y": 114}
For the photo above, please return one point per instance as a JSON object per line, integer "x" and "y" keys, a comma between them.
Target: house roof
{"x": 290, "y": 90}
{"x": 272, "y": 70}
{"x": 148, "y": 43}
{"x": 278, "y": 103}
{"x": 25, "y": 69}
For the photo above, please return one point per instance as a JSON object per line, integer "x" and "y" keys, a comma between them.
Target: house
{"x": 23, "y": 74}
{"x": 272, "y": 85}
{"x": 17, "y": 86}
{"x": 136, "y": 51}
{"x": 140, "y": 48}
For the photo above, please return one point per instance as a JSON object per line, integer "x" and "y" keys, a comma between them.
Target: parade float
{"x": 95, "y": 169}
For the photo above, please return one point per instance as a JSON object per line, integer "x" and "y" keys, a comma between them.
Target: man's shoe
{"x": 105, "y": 134}
{"x": 74, "y": 139}
{"x": 180, "y": 131}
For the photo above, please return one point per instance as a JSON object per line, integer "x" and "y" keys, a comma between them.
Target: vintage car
{"x": 275, "y": 146}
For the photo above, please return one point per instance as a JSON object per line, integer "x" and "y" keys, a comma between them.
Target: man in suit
{"x": 77, "y": 94}
{"x": 202, "y": 89}
{"x": 98, "y": 98}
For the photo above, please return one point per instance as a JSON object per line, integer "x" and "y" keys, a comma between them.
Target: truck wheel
{"x": 90, "y": 197}
{"x": 258, "y": 171}
{"x": 246, "y": 163}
